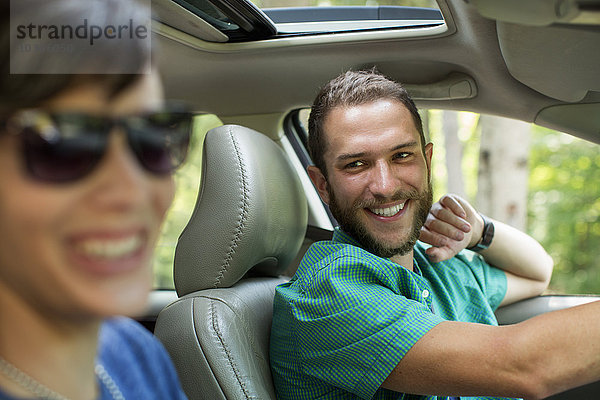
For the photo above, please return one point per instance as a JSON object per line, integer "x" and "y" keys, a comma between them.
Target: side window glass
{"x": 303, "y": 115}
{"x": 296, "y": 129}
{"x": 187, "y": 181}
{"x": 544, "y": 182}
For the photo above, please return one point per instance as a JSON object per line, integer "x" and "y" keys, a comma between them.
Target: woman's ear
{"x": 320, "y": 182}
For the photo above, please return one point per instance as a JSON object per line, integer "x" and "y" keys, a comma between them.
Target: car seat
{"x": 247, "y": 226}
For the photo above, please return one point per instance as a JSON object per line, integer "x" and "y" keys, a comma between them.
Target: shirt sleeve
{"x": 491, "y": 279}
{"x": 138, "y": 362}
{"x": 354, "y": 330}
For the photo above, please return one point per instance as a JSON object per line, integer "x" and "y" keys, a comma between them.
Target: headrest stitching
{"x": 242, "y": 218}
{"x": 217, "y": 329}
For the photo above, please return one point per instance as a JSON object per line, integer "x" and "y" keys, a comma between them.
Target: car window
{"x": 556, "y": 176}
{"x": 319, "y": 16}
{"x": 187, "y": 180}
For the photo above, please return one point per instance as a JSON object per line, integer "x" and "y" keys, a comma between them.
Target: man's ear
{"x": 320, "y": 182}
{"x": 428, "y": 155}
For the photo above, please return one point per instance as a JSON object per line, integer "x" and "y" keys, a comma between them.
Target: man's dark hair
{"x": 353, "y": 88}
{"x": 33, "y": 89}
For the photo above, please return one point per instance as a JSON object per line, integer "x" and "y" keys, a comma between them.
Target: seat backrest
{"x": 247, "y": 226}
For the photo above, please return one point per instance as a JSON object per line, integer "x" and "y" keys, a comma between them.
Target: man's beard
{"x": 351, "y": 224}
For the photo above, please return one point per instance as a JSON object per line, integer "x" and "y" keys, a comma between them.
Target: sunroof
{"x": 249, "y": 20}
{"x": 318, "y": 16}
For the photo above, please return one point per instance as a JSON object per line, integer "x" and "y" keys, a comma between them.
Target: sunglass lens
{"x": 60, "y": 153}
{"x": 160, "y": 140}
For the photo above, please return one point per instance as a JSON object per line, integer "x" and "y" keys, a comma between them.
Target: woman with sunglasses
{"x": 86, "y": 166}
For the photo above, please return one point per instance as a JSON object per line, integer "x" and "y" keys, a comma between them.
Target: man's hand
{"x": 452, "y": 225}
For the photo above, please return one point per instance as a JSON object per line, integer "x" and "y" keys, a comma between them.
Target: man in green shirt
{"x": 375, "y": 314}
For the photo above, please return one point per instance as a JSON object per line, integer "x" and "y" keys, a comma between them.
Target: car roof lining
{"x": 554, "y": 60}
{"x": 235, "y": 79}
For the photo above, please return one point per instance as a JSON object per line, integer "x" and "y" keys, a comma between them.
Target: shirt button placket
{"x": 428, "y": 300}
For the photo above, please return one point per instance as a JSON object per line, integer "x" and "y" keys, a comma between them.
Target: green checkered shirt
{"x": 347, "y": 317}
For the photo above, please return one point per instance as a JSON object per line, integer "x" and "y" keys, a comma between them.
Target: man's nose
{"x": 383, "y": 180}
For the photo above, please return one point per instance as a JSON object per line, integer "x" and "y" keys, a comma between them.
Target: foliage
{"x": 564, "y": 208}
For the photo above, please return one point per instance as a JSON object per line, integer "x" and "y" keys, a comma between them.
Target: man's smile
{"x": 388, "y": 211}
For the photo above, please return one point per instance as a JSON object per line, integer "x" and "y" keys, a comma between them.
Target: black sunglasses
{"x": 61, "y": 147}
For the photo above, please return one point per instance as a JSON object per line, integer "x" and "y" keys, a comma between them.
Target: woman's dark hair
{"x": 45, "y": 75}
{"x": 353, "y": 88}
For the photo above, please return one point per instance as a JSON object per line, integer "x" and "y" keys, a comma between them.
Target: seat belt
{"x": 315, "y": 233}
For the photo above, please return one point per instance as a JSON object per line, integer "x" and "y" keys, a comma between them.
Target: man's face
{"x": 378, "y": 184}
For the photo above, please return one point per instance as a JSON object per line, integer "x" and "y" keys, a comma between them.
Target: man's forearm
{"x": 518, "y": 253}
{"x": 563, "y": 347}
{"x": 536, "y": 358}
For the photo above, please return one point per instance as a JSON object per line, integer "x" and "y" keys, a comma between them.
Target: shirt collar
{"x": 340, "y": 236}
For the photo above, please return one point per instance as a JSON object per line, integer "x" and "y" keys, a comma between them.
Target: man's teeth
{"x": 389, "y": 211}
{"x": 110, "y": 249}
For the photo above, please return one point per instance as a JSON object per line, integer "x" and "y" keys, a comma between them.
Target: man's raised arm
{"x": 453, "y": 224}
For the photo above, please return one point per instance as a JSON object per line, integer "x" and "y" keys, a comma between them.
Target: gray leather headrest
{"x": 251, "y": 213}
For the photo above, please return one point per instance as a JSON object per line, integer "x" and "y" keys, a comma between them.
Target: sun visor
{"x": 559, "y": 61}
{"x": 582, "y": 120}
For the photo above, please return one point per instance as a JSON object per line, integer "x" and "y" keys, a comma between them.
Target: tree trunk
{"x": 454, "y": 154}
{"x": 503, "y": 170}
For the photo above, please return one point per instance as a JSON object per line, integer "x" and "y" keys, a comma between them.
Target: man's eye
{"x": 355, "y": 164}
{"x": 402, "y": 155}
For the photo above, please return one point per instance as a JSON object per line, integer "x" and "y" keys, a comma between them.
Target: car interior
{"x": 253, "y": 203}
{"x": 257, "y": 212}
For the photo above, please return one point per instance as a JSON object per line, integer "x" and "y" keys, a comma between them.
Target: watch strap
{"x": 487, "y": 235}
